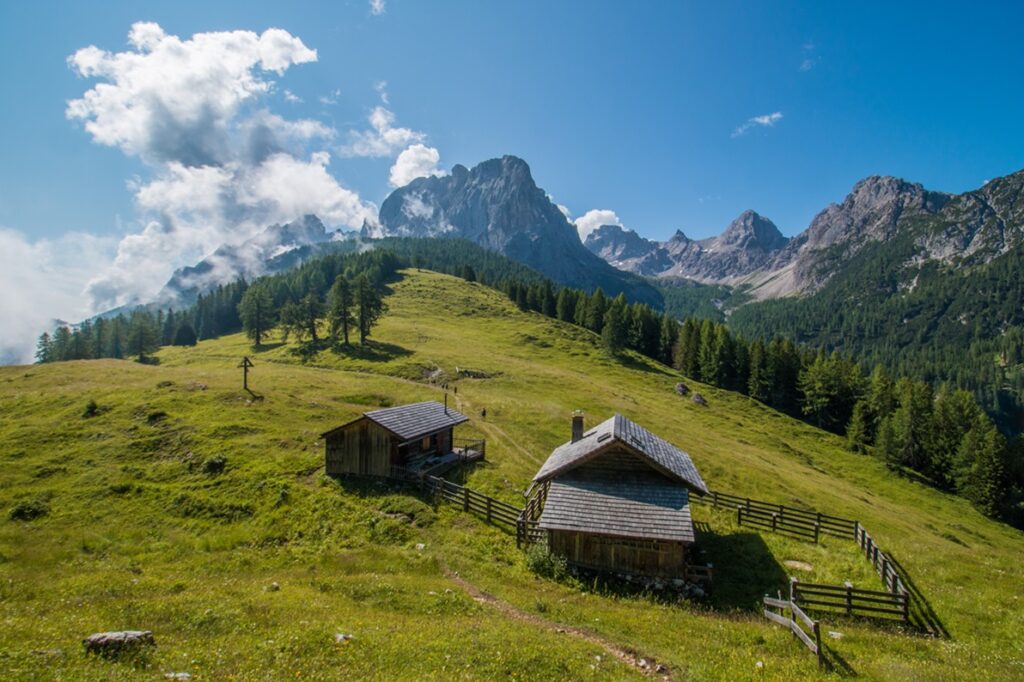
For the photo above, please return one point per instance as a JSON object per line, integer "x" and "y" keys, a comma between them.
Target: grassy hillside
{"x": 248, "y": 572}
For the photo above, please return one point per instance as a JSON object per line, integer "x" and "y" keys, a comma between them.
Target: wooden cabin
{"x": 398, "y": 441}
{"x": 617, "y": 498}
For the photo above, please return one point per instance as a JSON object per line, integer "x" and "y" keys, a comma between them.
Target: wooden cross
{"x": 246, "y": 364}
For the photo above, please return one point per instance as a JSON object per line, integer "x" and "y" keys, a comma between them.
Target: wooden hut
{"x": 397, "y": 441}
{"x": 617, "y": 498}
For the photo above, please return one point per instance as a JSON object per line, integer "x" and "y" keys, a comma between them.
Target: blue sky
{"x": 671, "y": 115}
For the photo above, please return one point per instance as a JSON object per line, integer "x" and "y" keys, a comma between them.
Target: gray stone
{"x": 113, "y": 643}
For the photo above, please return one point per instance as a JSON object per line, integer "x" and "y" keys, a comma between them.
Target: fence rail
{"x": 854, "y": 601}
{"x": 882, "y": 563}
{"x": 827, "y": 523}
{"x": 777, "y": 523}
{"x": 493, "y": 510}
{"x": 796, "y": 621}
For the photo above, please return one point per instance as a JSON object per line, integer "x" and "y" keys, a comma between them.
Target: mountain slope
{"x": 141, "y": 532}
{"x": 498, "y": 205}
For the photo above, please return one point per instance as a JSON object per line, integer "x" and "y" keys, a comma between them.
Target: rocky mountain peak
{"x": 752, "y": 231}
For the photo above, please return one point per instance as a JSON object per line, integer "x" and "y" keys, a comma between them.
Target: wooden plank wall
{"x": 363, "y": 449}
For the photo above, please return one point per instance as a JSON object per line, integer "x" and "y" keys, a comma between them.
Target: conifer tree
{"x": 371, "y": 306}
{"x": 257, "y": 313}
{"x": 613, "y": 336}
{"x": 565, "y": 306}
{"x": 44, "y": 348}
{"x": 857, "y": 429}
{"x": 596, "y": 307}
{"x": 668, "y": 334}
{"x": 340, "y": 306}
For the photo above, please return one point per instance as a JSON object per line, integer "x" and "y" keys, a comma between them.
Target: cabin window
{"x": 425, "y": 445}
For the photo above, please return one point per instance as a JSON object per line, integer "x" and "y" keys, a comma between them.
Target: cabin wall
{"x": 362, "y": 448}
{"x": 625, "y": 555}
{"x": 616, "y": 460}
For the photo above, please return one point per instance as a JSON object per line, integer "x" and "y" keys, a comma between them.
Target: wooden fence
{"x": 796, "y": 621}
{"x": 883, "y": 564}
{"x": 832, "y": 525}
{"x": 777, "y": 523}
{"x": 851, "y": 600}
{"x": 493, "y": 510}
{"x": 528, "y": 530}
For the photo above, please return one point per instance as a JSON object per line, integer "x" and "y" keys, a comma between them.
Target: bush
{"x": 29, "y": 510}
{"x": 541, "y": 561}
{"x": 214, "y": 465}
{"x": 92, "y": 409}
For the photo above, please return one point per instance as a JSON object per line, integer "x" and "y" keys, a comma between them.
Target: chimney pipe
{"x": 446, "y": 402}
{"x": 577, "y": 426}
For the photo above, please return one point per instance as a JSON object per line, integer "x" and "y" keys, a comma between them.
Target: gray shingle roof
{"x": 634, "y": 506}
{"x": 416, "y": 419}
{"x": 618, "y": 429}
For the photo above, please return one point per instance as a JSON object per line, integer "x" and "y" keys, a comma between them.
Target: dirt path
{"x": 645, "y": 665}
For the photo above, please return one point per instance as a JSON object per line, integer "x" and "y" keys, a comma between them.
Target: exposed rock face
{"x": 747, "y": 244}
{"x": 973, "y": 227}
{"x": 498, "y": 205}
{"x": 115, "y": 643}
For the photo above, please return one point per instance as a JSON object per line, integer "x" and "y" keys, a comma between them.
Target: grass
{"x": 176, "y": 501}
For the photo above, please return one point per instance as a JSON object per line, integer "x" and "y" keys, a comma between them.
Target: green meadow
{"x": 184, "y": 506}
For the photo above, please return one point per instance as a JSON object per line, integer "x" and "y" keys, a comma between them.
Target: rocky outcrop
{"x": 498, "y": 205}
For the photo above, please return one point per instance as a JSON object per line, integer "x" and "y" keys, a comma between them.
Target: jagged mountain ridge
{"x": 497, "y": 205}
{"x": 974, "y": 226}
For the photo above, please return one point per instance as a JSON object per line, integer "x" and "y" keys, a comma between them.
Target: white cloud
{"x": 332, "y": 98}
{"x": 416, "y": 161}
{"x": 383, "y": 139}
{"x": 224, "y": 168}
{"x": 382, "y": 89}
{"x": 290, "y": 96}
{"x": 174, "y": 99}
{"x": 595, "y": 218}
{"x": 43, "y": 281}
{"x": 764, "y": 121}
{"x": 377, "y": 7}
{"x": 809, "y": 60}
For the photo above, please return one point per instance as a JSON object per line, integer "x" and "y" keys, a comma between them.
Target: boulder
{"x": 682, "y": 389}
{"x": 114, "y": 643}
{"x": 699, "y": 399}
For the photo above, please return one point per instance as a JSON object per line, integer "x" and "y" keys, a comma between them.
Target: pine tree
{"x": 857, "y": 429}
{"x": 468, "y": 274}
{"x": 371, "y": 306}
{"x": 596, "y": 307}
{"x": 980, "y": 467}
{"x": 44, "y": 349}
{"x": 257, "y": 313}
{"x": 142, "y": 335}
{"x": 565, "y": 307}
{"x": 340, "y": 306}
{"x": 668, "y": 334}
{"x": 613, "y": 336}
{"x": 759, "y": 381}
{"x": 886, "y": 447}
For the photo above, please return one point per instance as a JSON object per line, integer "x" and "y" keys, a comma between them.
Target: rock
{"x": 342, "y": 637}
{"x": 835, "y": 635}
{"x": 273, "y": 587}
{"x": 114, "y": 643}
{"x": 699, "y": 399}
{"x": 798, "y": 565}
{"x": 697, "y": 591}
{"x": 643, "y": 663}
{"x": 678, "y": 583}
{"x": 660, "y": 669}
{"x": 759, "y": 665}
{"x": 420, "y": 546}
{"x": 178, "y": 676}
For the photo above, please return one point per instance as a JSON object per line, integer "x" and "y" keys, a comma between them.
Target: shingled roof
{"x": 662, "y": 455}
{"x": 414, "y": 420}
{"x": 634, "y": 506}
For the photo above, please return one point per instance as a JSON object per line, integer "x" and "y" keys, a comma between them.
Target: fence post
{"x": 714, "y": 499}
{"x": 739, "y": 515}
{"x": 775, "y": 521}
{"x": 817, "y": 644}
{"x": 906, "y": 607}
{"x": 849, "y": 597}
{"x": 856, "y": 529}
{"x": 817, "y": 531}
{"x": 792, "y": 589}
{"x": 885, "y": 571}
{"x": 748, "y": 504}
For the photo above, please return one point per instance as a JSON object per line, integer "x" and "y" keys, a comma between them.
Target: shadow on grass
{"x": 264, "y": 347}
{"x": 650, "y": 366}
{"x": 922, "y": 615}
{"x": 373, "y": 351}
{"x": 745, "y": 569}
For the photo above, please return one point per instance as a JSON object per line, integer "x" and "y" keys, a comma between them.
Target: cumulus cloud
{"x": 377, "y": 7}
{"x": 383, "y": 138}
{"x": 43, "y": 281}
{"x": 223, "y": 166}
{"x": 595, "y": 218}
{"x": 763, "y": 121}
{"x": 416, "y": 161}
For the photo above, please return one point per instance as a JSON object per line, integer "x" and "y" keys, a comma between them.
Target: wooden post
{"x": 856, "y": 528}
{"x": 739, "y": 515}
{"x": 849, "y": 597}
{"x": 792, "y": 590}
{"x": 817, "y": 644}
{"x": 885, "y": 571}
{"x": 714, "y": 499}
{"x": 775, "y": 521}
{"x": 817, "y": 531}
{"x": 906, "y": 607}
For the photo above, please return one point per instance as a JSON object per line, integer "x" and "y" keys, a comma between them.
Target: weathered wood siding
{"x": 616, "y": 460}
{"x": 602, "y": 552}
{"x": 362, "y": 448}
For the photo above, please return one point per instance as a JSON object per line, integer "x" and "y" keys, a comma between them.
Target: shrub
{"x": 92, "y": 409}
{"x": 541, "y": 561}
{"x": 29, "y": 510}
{"x": 214, "y": 465}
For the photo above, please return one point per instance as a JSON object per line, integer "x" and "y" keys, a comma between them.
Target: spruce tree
{"x": 565, "y": 306}
{"x": 596, "y": 307}
{"x": 668, "y": 334}
{"x": 857, "y": 430}
{"x": 613, "y": 336}
{"x": 340, "y": 306}
{"x": 980, "y": 467}
{"x": 257, "y": 313}
{"x": 371, "y": 306}
{"x": 44, "y": 349}
{"x": 185, "y": 335}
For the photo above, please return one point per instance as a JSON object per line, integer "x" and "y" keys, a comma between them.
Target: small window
{"x": 425, "y": 445}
